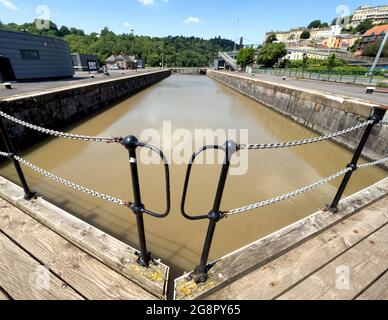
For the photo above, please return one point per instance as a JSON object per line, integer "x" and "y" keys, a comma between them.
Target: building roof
{"x": 121, "y": 57}
{"x": 376, "y": 30}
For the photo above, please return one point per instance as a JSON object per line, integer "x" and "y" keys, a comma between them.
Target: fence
{"x": 355, "y": 77}
{"x": 131, "y": 144}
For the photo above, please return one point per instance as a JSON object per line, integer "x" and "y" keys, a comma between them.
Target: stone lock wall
{"x": 320, "y": 112}
{"x": 63, "y": 107}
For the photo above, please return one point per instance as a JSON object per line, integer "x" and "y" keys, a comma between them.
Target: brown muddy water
{"x": 190, "y": 102}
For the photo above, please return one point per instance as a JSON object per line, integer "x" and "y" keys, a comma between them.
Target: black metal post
{"x": 131, "y": 143}
{"x": 378, "y": 115}
{"x": 200, "y": 273}
{"x": 28, "y": 195}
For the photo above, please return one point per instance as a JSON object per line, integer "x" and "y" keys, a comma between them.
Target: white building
{"x": 378, "y": 14}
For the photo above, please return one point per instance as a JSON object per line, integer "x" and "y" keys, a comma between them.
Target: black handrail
{"x": 215, "y": 215}
{"x": 131, "y": 143}
{"x": 28, "y": 194}
{"x": 377, "y": 116}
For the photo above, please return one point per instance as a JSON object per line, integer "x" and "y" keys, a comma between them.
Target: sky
{"x": 250, "y": 19}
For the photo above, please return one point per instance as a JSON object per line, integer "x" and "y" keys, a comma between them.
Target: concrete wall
{"x": 322, "y": 113}
{"x": 62, "y": 107}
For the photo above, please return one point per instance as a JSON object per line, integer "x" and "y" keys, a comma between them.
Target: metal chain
{"x": 305, "y": 141}
{"x": 300, "y": 191}
{"x": 61, "y": 134}
{"x": 66, "y": 182}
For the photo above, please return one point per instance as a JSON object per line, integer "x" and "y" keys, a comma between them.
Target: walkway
{"x": 339, "y": 89}
{"x": 38, "y": 264}
{"x": 80, "y": 78}
{"x": 348, "y": 261}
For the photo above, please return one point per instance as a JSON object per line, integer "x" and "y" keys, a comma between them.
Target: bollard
{"x": 28, "y": 194}
{"x": 131, "y": 143}
{"x": 378, "y": 115}
{"x": 200, "y": 274}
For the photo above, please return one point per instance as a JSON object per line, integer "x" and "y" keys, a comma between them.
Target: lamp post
{"x": 372, "y": 69}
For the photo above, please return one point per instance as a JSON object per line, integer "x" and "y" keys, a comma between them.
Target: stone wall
{"x": 323, "y": 113}
{"x": 63, "y": 107}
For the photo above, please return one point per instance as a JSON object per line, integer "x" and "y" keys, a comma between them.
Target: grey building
{"x": 25, "y": 56}
{"x": 85, "y": 62}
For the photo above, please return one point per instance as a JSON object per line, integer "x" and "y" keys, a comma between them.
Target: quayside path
{"x": 334, "y": 88}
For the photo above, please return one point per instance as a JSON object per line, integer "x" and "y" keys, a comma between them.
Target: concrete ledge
{"x": 321, "y": 112}
{"x": 238, "y": 264}
{"x": 110, "y": 251}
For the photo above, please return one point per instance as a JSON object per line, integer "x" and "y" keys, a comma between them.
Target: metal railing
{"x": 130, "y": 143}
{"x": 200, "y": 274}
{"x": 355, "y": 77}
{"x": 215, "y": 215}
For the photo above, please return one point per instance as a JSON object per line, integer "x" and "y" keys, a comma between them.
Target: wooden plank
{"x": 378, "y": 291}
{"x": 277, "y": 276}
{"x": 21, "y": 276}
{"x": 365, "y": 262}
{"x": 240, "y": 263}
{"x": 3, "y": 295}
{"x": 107, "y": 249}
{"x": 87, "y": 275}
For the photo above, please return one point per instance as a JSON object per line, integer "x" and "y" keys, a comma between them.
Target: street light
{"x": 372, "y": 69}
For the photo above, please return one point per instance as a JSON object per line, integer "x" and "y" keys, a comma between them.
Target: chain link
{"x": 61, "y": 134}
{"x": 66, "y": 182}
{"x": 300, "y": 191}
{"x": 305, "y": 141}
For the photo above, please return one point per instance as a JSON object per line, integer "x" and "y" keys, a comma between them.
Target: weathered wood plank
{"x": 21, "y": 276}
{"x": 364, "y": 263}
{"x": 87, "y": 275}
{"x": 277, "y": 276}
{"x": 107, "y": 249}
{"x": 3, "y": 295}
{"x": 240, "y": 263}
{"x": 378, "y": 291}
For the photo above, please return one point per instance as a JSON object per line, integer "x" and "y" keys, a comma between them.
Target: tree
{"x": 246, "y": 57}
{"x": 324, "y": 25}
{"x": 331, "y": 61}
{"x": 291, "y": 37}
{"x": 314, "y": 24}
{"x": 305, "y": 35}
{"x": 364, "y": 26}
{"x": 271, "y": 38}
{"x": 63, "y": 31}
{"x": 372, "y": 49}
{"x": 271, "y": 53}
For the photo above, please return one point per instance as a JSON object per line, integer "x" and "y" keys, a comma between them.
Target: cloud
{"x": 193, "y": 20}
{"x": 147, "y": 2}
{"x": 9, "y": 4}
{"x": 127, "y": 24}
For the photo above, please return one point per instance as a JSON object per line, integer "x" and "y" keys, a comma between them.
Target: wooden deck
{"x": 327, "y": 256}
{"x": 348, "y": 261}
{"x": 36, "y": 263}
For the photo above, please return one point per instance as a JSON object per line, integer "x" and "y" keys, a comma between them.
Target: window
{"x": 30, "y": 54}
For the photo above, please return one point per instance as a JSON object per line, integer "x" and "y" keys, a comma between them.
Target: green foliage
{"x": 372, "y": 49}
{"x": 364, "y": 26}
{"x": 271, "y": 38}
{"x": 382, "y": 85}
{"x": 331, "y": 61}
{"x": 177, "y": 51}
{"x": 270, "y": 54}
{"x": 314, "y": 24}
{"x": 305, "y": 35}
{"x": 246, "y": 57}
